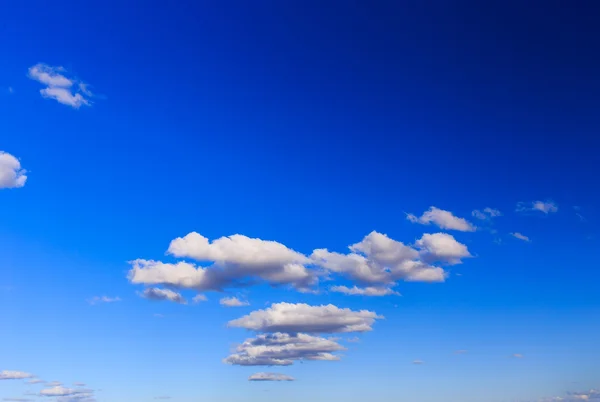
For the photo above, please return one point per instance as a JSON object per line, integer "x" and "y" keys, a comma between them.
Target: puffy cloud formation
{"x": 163, "y": 294}
{"x": 443, "y": 219}
{"x": 377, "y": 261}
{"x": 520, "y": 236}
{"x": 14, "y": 375}
{"x": 486, "y": 214}
{"x": 540, "y": 206}
{"x": 368, "y": 291}
{"x": 199, "y": 298}
{"x": 68, "y": 91}
{"x": 300, "y": 317}
{"x": 270, "y": 377}
{"x": 233, "y": 302}
{"x": 441, "y": 247}
{"x": 104, "y": 299}
{"x": 281, "y": 349}
{"x": 11, "y": 173}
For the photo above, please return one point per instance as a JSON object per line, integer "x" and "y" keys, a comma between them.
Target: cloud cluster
{"x": 64, "y": 394}
{"x": 11, "y": 173}
{"x": 376, "y": 263}
{"x": 68, "y": 91}
{"x": 546, "y": 207}
{"x": 591, "y": 395}
{"x": 270, "y": 377}
{"x": 443, "y": 219}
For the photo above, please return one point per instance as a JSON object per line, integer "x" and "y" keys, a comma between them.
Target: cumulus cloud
{"x": 68, "y": 91}
{"x": 546, "y": 207}
{"x": 163, "y": 294}
{"x": 377, "y": 261}
{"x": 300, "y": 317}
{"x": 442, "y": 247}
{"x": 486, "y": 214}
{"x": 270, "y": 377}
{"x": 14, "y": 375}
{"x": 103, "y": 299}
{"x": 234, "y": 260}
{"x": 233, "y": 302}
{"x": 443, "y": 219}
{"x": 282, "y": 349}
{"x": 11, "y": 173}
{"x": 520, "y": 236}
{"x": 367, "y": 291}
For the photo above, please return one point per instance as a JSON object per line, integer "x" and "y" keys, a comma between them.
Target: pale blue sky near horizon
{"x": 311, "y": 124}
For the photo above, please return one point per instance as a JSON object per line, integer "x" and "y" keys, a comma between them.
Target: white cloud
{"x": 367, "y": 291}
{"x": 62, "y": 391}
{"x": 443, "y": 219}
{"x": 54, "y": 384}
{"x": 233, "y": 302}
{"x": 292, "y": 318}
{"x": 234, "y": 259}
{"x": 517, "y": 356}
{"x": 36, "y": 381}
{"x": 103, "y": 299}
{"x": 281, "y": 349}
{"x": 270, "y": 377}
{"x": 163, "y": 294}
{"x": 540, "y": 206}
{"x": 442, "y": 247}
{"x": 486, "y": 214}
{"x": 377, "y": 259}
{"x": 14, "y": 375}
{"x": 11, "y": 173}
{"x": 68, "y": 91}
{"x": 418, "y": 362}
{"x": 199, "y": 298}
{"x": 520, "y": 236}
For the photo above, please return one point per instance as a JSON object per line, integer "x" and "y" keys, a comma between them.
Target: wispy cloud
{"x": 68, "y": 91}
{"x": 520, "y": 236}
{"x": 486, "y": 214}
{"x": 233, "y": 302}
{"x": 270, "y": 377}
{"x": 163, "y": 294}
{"x": 11, "y": 173}
{"x": 545, "y": 207}
{"x": 14, "y": 375}
{"x": 366, "y": 291}
{"x": 103, "y": 299}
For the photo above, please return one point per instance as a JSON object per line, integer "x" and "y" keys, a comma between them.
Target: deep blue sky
{"x": 310, "y": 123}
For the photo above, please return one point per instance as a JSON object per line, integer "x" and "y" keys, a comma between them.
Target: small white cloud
{"x": 442, "y": 247}
{"x": 270, "y": 377}
{"x": 103, "y": 299}
{"x": 486, "y": 214}
{"x": 367, "y": 291}
{"x": 163, "y": 294}
{"x": 418, "y": 362}
{"x": 14, "y": 375}
{"x": 11, "y": 90}
{"x": 11, "y": 173}
{"x": 517, "y": 356}
{"x": 293, "y": 318}
{"x": 540, "y": 206}
{"x": 68, "y": 91}
{"x": 199, "y": 298}
{"x": 233, "y": 302}
{"x": 36, "y": 381}
{"x": 461, "y": 352}
{"x": 353, "y": 339}
{"x": 520, "y": 236}
{"x": 443, "y": 219}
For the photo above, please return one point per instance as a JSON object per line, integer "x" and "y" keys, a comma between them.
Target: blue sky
{"x": 234, "y": 151}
